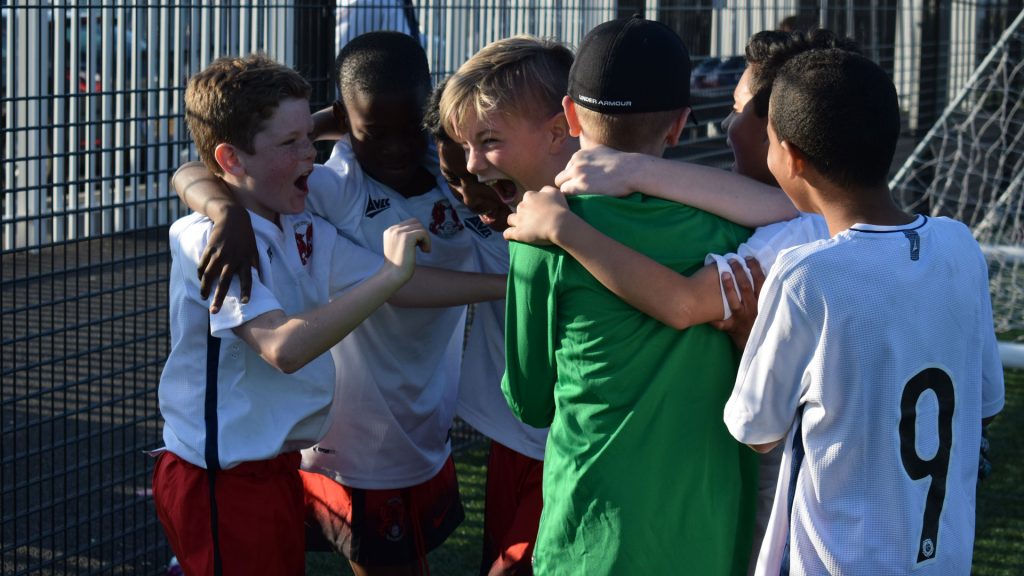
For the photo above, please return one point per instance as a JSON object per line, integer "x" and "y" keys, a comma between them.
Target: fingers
{"x": 222, "y": 290}
{"x": 209, "y": 265}
{"x": 742, "y": 283}
{"x": 414, "y": 233}
{"x": 758, "y": 273}
{"x": 245, "y": 284}
{"x": 731, "y": 296}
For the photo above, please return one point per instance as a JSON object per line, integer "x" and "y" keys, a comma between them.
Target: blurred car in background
{"x": 726, "y": 74}
{"x": 700, "y": 70}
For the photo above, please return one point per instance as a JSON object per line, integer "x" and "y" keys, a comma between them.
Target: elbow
{"x": 679, "y": 316}
{"x": 282, "y": 359}
{"x": 678, "y": 321}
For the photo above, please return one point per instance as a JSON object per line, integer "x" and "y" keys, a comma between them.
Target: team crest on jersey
{"x": 375, "y": 206}
{"x": 928, "y": 548}
{"x": 444, "y": 222}
{"x": 476, "y": 225}
{"x": 304, "y": 240}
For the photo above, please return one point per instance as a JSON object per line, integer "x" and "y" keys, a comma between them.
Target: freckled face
{"x": 282, "y": 159}
{"x": 477, "y": 196}
{"x": 747, "y": 134}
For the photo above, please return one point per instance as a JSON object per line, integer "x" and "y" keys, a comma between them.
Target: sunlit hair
{"x": 522, "y": 77}
{"x": 229, "y": 100}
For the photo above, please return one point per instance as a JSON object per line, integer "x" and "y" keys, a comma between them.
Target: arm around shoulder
{"x": 737, "y": 198}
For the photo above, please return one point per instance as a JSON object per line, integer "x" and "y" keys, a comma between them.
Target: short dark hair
{"x": 840, "y": 109}
{"x": 768, "y": 50}
{"x": 228, "y": 101}
{"x": 432, "y": 114}
{"x": 381, "y": 62}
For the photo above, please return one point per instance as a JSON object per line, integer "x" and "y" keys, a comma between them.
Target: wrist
{"x": 393, "y": 275}
{"x": 219, "y": 209}
{"x": 565, "y": 227}
{"x": 639, "y": 168}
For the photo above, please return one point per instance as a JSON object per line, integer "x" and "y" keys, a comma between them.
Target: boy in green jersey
{"x": 641, "y": 476}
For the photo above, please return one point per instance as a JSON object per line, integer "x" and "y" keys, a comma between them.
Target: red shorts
{"x": 383, "y": 527}
{"x": 512, "y": 512}
{"x": 258, "y": 511}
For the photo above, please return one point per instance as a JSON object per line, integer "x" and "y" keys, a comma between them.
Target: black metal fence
{"x": 92, "y": 129}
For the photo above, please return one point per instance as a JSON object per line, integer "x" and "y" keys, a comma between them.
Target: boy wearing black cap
{"x": 641, "y": 476}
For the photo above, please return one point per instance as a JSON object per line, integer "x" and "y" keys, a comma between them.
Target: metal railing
{"x": 92, "y": 129}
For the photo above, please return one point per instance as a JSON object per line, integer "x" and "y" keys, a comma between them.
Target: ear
{"x": 573, "y": 121}
{"x": 229, "y": 160}
{"x": 676, "y": 130}
{"x": 794, "y": 159}
{"x": 340, "y": 115}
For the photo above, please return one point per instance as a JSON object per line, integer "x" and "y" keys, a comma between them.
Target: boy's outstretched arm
{"x": 656, "y": 290}
{"x": 742, "y": 200}
{"x": 440, "y": 288}
{"x": 231, "y": 250}
{"x": 431, "y": 287}
{"x": 290, "y": 342}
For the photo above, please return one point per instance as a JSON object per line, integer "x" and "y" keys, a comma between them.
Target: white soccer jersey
{"x": 874, "y": 356}
{"x": 481, "y": 402}
{"x": 765, "y": 244}
{"x": 257, "y": 412}
{"x": 398, "y": 372}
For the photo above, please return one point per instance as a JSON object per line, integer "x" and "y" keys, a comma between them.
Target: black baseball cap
{"x": 631, "y": 65}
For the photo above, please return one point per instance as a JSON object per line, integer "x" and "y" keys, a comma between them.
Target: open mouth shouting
{"x": 302, "y": 182}
{"x": 506, "y": 190}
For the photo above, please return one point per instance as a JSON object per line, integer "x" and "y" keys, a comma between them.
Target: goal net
{"x": 970, "y": 166}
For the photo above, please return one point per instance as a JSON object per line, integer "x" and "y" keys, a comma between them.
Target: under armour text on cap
{"x": 631, "y": 65}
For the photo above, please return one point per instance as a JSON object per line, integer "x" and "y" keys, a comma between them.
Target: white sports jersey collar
{"x": 918, "y": 222}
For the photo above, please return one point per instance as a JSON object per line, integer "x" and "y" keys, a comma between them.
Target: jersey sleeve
{"x": 765, "y": 245}
{"x": 351, "y": 264}
{"x": 187, "y": 245}
{"x": 530, "y": 335}
{"x": 770, "y": 381}
{"x": 336, "y": 189}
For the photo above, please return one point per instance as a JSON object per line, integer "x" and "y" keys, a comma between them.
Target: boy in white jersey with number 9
{"x": 873, "y": 355}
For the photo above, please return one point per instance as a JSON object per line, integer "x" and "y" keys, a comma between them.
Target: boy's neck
{"x": 420, "y": 184}
{"x": 844, "y": 208}
{"x": 654, "y": 149}
{"x": 245, "y": 199}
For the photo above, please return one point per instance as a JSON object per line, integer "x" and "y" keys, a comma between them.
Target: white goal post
{"x": 970, "y": 166}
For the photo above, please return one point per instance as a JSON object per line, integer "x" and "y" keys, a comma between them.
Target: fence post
{"x": 30, "y": 89}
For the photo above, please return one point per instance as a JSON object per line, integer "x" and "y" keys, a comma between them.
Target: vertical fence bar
{"x": 58, "y": 145}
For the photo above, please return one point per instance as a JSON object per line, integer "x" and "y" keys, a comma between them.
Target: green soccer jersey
{"x": 641, "y": 475}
